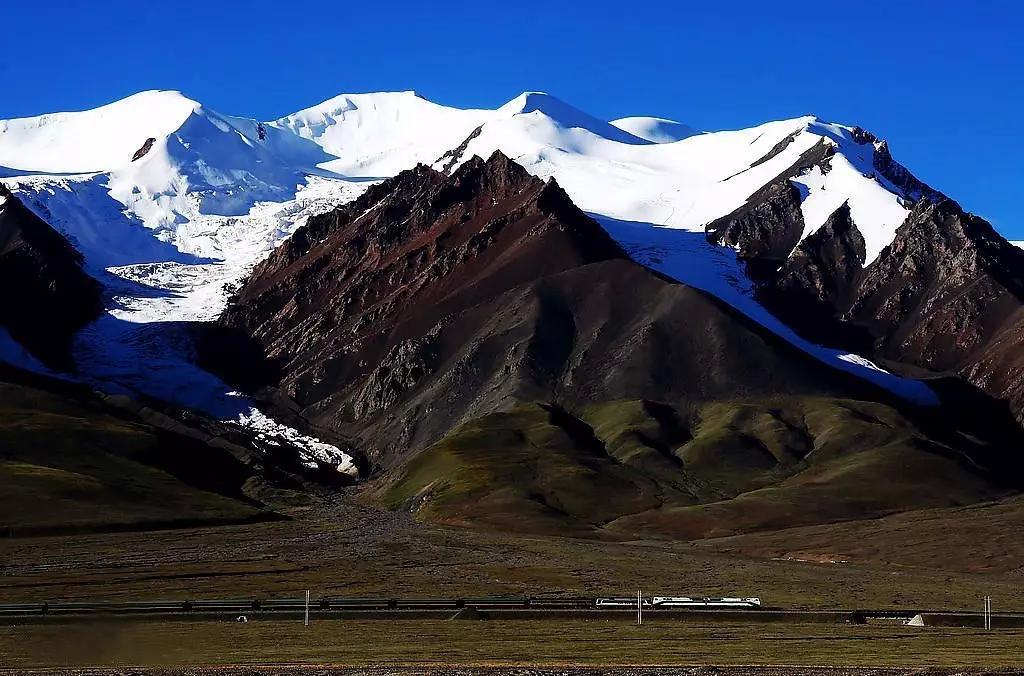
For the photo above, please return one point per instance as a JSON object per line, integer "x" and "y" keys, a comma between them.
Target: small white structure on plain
{"x": 241, "y": 618}
{"x": 916, "y": 621}
{"x": 306, "y": 620}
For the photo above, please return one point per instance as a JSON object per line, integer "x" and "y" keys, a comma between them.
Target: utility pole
{"x": 306, "y": 621}
{"x": 639, "y": 608}
{"x": 987, "y": 613}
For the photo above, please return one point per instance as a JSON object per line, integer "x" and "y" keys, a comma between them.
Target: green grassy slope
{"x": 636, "y": 467}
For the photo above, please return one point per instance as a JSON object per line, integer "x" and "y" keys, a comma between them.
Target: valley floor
{"x": 342, "y": 548}
{"x": 939, "y": 559}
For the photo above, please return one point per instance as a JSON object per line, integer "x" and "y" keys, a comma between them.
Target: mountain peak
{"x": 566, "y": 115}
{"x": 94, "y": 140}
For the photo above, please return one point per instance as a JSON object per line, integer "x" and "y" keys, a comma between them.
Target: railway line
{"x": 555, "y": 607}
{"x": 375, "y": 604}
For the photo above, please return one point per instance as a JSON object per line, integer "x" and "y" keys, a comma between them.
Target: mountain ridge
{"x": 189, "y": 214}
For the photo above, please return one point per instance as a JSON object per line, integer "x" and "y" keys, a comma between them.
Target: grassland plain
{"x": 343, "y": 548}
{"x": 528, "y": 643}
{"x": 308, "y": 670}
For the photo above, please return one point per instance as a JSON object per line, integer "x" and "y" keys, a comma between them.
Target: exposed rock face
{"x": 943, "y": 289}
{"x": 767, "y": 227}
{"x": 143, "y": 149}
{"x": 47, "y": 296}
{"x": 811, "y": 287}
{"x": 999, "y": 367}
{"x": 765, "y": 230}
{"x": 893, "y": 171}
{"x": 828, "y": 262}
{"x": 938, "y": 298}
{"x": 433, "y": 300}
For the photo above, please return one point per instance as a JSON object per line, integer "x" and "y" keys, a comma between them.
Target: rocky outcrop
{"x": 943, "y": 297}
{"x": 942, "y": 291}
{"x": 935, "y": 298}
{"x": 770, "y": 223}
{"x": 765, "y": 230}
{"x": 143, "y": 149}
{"x": 812, "y": 286}
{"x": 47, "y": 295}
{"x": 894, "y": 172}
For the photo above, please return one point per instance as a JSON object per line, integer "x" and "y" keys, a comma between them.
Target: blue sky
{"x": 942, "y": 80}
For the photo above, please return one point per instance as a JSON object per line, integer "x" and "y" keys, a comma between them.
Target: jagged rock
{"x": 768, "y": 226}
{"x": 940, "y": 297}
{"x": 143, "y": 149}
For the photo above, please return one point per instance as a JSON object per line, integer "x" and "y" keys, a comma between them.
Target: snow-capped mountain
{"x": 171, "y": 203}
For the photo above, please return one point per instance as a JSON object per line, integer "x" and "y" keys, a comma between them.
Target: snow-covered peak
{"x": 95, "y": 140}
{"x": 157, "y": 159}
{"x": 655, "y": 129}
{"x": 852, "y": 176}
{"x": 380, "y": 134}
{"x": 342, "y": 103}
{"x": 565, "y": 115}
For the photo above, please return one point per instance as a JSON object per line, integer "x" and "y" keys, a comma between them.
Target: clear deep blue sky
{"x": 942, "y": 80}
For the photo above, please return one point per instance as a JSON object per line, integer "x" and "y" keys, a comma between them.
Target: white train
{"x": 679, "y": 602}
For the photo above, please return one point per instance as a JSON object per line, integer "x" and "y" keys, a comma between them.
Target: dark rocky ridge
{"x": 894, "y": 172}
{"x": 47, "y": 295}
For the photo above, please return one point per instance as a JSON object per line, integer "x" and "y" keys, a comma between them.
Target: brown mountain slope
{"x": 47, "y": 296}
{"x": 500, "y": 361}
{"x": 433, "y": 300}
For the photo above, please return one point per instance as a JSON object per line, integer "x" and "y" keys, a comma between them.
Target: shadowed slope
{"x": 47, "y": 296}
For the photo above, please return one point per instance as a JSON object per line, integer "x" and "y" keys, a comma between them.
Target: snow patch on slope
{"x": 143, "y": 344}
{"x": 273, "y": 433}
